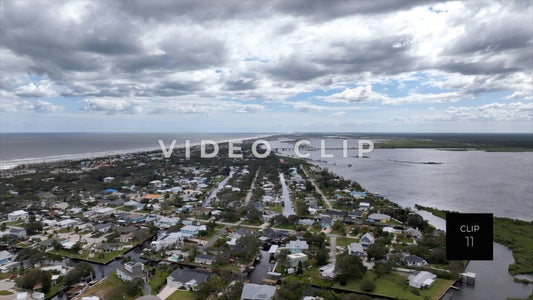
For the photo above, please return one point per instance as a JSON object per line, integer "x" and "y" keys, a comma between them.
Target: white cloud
{"x": 520, "y": 95}
{"x": 43, "y": 88}
{"x": 17, "y": 105}
{"x": 338, "y": 114}
{"x": 358, "y": 94}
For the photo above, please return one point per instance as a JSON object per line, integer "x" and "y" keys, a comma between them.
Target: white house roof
{"x": 18, "y": 213}
{"x": 422, "y": 278}
{"x": 379, "y": 217}
{"x": 258, "y": 291}
{"x": 5, "y": 255}
{"x": 297, "y": 245}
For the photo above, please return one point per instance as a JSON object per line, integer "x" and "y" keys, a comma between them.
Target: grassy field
{"x": 105, "y": 287}
{"x": 515, "y": 234}
{"x": 276, "y": 208}
{"x": 159, "y": 278}
{"x": 84, "y": 255}
{"x": 494, "y": 145}
{"x": 344, "y": 241}
{"x": 396, "y": 285}
{"x": 182, "y": 295}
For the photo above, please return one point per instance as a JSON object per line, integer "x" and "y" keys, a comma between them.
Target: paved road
{"x": 215, "y": 191}
{"x": 288, "y": 208}
{"x": 250, "y": 192}
{"x": 332, "y": 248}
{"x": 324, "y": 198}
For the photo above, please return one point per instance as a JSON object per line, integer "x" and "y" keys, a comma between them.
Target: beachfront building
{"x": 378, "y": 218}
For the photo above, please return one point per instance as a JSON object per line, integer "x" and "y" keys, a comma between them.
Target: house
{"x": 392, "y": 230}
{"x": 109, "y": 179}
{"x": 356, "y": 249}
{"x": 414, "y": 233}
{"x": 134, "y": 204}
{"x": 191, "y": 230}
{"x": 126, "y": 237}
{"x": 364, "y": 206}
{"x": 104, "y": 211}
{"x": 102, "y": 227}
{"x": 335, "y": 214}
{"x": 17, "y": 232}
{"x": 327, "y": 271}
{"x": 294, "y": 259}
{"x": 17, "y": 215}
{"x": 414, "y": 261}
{"x": 297, "y": 246}
{"x": 358, "y": 195}
{"x": 131, "y": 271}
{"x": 168, "y": 241}
{"x": 378, "y": 218}
{"x": 166, "y": 222}
{"x": 252, "y": 291}
{"x": 422, "y": 279}
{"x": 67, "y": 223}
{"x": 355, "y": 214}
{"x": 5, "y": 257}
{"x": 186, "y": 278}
{"x": 367, "y": 239}
{"x": 153, "y": 197}
{"x": 204, "y": 259}
{"x": 326, "y": 222}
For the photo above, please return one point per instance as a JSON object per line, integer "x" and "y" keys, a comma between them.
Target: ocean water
{"x": 22, "y": 148}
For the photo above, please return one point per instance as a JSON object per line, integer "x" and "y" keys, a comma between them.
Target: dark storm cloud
{"x": 295, "y": 68}
{"x": 321, "y": 10}
{"x": 241, "y": 84}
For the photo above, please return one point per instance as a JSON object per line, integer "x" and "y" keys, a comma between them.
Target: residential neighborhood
{"x": 197, "y": 228}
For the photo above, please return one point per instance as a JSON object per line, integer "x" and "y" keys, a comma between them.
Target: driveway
{"x": 166, "y": 292}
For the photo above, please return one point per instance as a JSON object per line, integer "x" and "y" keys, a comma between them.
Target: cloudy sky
{"x": 266, "y": 66}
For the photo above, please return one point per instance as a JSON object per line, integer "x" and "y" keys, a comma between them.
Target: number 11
{"x": 469, "y": 241}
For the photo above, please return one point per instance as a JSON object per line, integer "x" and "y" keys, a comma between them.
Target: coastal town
{"x": 142, "y": 226}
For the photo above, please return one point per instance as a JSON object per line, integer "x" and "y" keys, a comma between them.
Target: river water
{"x": 464, "y": 181}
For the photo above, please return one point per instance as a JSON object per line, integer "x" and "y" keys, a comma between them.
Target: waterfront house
{"x": 355, "y": 214}
{"x": 204, "y": 259}
{"x": 131, "y": 271}
{"x": 188, "y": 279}
{"x": 168, "y": 241}
{"x": 378, "y": 218}
{"x": 297, "y": 246}
{"x": 367, "y": 239}
{"x": 422, "y": 279}
{"x": 294, "y": 259}
{"x": 253, "y": 291}
{"x": 327, "y": 271}
{"x": 326, "y": 222}
{"x": 356, "y": 249}
{"x": 414, "y": 261}
{"x": 17, "y": 215}
{"x": 335, "y": 214}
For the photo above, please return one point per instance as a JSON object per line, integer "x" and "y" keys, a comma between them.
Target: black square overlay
{"x": 469, "y": 236}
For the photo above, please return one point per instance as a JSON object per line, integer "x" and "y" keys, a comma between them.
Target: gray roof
{"x": 355, "y": 247}
{"x": 413, "y": 259}
{"x": 186, "y": 275}
{"x": 378, "y": 216}
{"x": 258, "y": 291}
{"x": 205, "y": 256}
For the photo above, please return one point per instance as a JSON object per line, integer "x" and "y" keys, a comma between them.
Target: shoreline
{"x": 6, "y": 165}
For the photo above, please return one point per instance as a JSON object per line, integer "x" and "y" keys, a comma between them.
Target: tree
{"x": 368, "y": 286}
{"x": 322, "y": 257}
{"x": 349, "y": 266}
{"x": 377, "y": 251}
{"x": 46, "y": 282}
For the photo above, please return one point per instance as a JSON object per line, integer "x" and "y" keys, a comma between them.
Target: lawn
{"x": 103, "y": 288}
{"x": 396, "y": 285}
{"x": 158, "y": 280}
{"x": 5, "y": 293}
{"x": 276, "y": 208}
{"x": 84, "y": 256}
{"x": 182, "y": 295}
{"x": 344, "y": 241}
